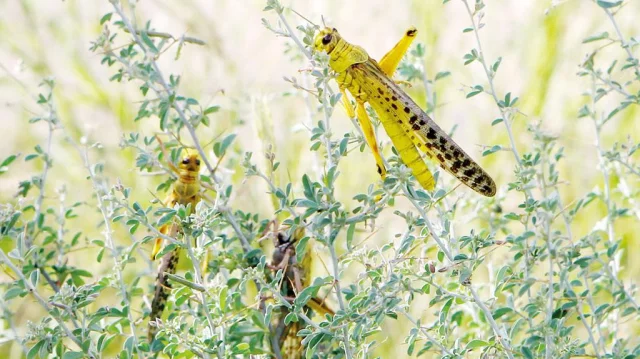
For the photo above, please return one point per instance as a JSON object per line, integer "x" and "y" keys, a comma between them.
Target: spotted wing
{"x": 397, "y": 110}
{"x": 451, "y": 157}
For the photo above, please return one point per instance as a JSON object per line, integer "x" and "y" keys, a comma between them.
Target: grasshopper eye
{"x": 197, "y": 162}
{"x": 185, "y": 161}
{"x": 326, "y": 39}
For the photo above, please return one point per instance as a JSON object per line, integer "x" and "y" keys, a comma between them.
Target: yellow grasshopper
{"x": 408, "y": 126}
{"x": 185, "y": 191}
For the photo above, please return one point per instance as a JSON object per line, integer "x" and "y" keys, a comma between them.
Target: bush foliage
{"x": 543, "y": 270}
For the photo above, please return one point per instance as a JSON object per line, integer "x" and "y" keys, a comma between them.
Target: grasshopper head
{"x": 190, "y": 162}
{"x": 326, "y": 40}
{"x": 187, "y": 186}
{"x": 284, "y": 239}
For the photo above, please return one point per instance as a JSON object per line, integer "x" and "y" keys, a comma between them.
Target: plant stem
{"x": 34, "y": 292}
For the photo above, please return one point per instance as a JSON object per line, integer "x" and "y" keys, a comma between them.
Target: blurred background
{"x": 241, "y": 69}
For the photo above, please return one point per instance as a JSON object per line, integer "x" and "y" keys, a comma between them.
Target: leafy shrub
{"x": 544, "y": 269}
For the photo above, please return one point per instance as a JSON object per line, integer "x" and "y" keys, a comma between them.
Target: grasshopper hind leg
{"x": 389, "y": 62}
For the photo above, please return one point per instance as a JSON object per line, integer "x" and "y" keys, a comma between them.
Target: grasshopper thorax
{"x": 342, "y": 54}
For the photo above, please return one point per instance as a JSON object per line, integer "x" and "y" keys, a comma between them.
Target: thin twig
{"x": 165, "y": 35}
{"x": 623, "y": 42}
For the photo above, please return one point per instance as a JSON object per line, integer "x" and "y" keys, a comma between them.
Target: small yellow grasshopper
{"x": 408, "y": 126}
{"x": 185, "y": 191}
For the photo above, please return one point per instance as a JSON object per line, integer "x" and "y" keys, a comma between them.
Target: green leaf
{"x": 73, "y": 355}
{"x": 301, "y": 248}
{"x": 308, "y": 188}
{"x": 81, "y": 273}
{"x": 242, "y": 347}
{"x": 473, "y": 93}
{"x": 147, "y": 41}
{"x": 4, "y": 166}
{"x": 460, "y": 257}
{"x": 512, "y": 216}
{"x": 166, "y": 218}
{"x": 607, "y": 4}
{"x": 34, "y": 351}
{"x": 469, "y": 58}
{"x": 616, "y": 110}
{"x": 441, "y": 75}
{"x": 476, "y": 343}
{"x": 527, "y": 352}
{"x": 493, "y": 149}
{"x": 613, "y": 65}
{"x": 291, "y": 317}
{"x": 34, "y": 278}
{"x": 105, "y": 18}
{"x": 8, "y": 225}
{"x": 211, "y": 109}
{"x": 444, "y": 313}
{"x": 628, "y": 311}
{"x": 168, "y": 248}
{"x": 350, "y": 232}
{"x": 343, "y": 146}
{"x": 496, "y": 64}
{"x": 596, "y": 37}
{"x": 13, "y": 292}
{"x": 500, "y": 312}
{"x": 30, "y": 157}
{"x": 220, "y": 148}
{"x": 138, "y": 208}
{"x": 476, "y": 90}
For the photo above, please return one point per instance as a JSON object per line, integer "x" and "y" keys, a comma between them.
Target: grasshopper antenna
{"x": 323, "y": 24}
{"x": 307, "y": 20}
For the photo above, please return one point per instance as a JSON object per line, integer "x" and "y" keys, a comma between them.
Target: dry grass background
{"x": 540, "y": 43}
